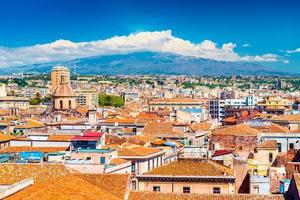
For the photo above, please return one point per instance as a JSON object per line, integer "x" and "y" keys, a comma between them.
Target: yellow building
{"x": 56, "y": 74}
{"x": 263, "y": 158}
{"x": 274, "y": 103}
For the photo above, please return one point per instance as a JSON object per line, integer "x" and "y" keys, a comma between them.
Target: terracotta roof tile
{"x": 136, "y": 150}
{"x": 41, "y": 172}
{"x": 161, "y": 129}
{"x": 4, "y": 112}
{"x": 83, "y": 110}
{"x": 284, "y": 157}
{"x": 4, "y": 137}
{"x": 268, "y": 144}
{"x": 203, "y": 126}
{"x": 30, "y": 123}
{"x": 272, "y": 128}
{"x": 189, "y": 167}
{"x": 116, "y": 184}
{"x": 142, "y": 140}
{"x": 286, "y": 118}
{"x": 117, "y": 161}
{"x": 67, "y": 188}
{"x": 276, "y": 128}
{"x": 17, "y": 149}
{"x": 60, "y": 137}
{"x": 237, "y": 130}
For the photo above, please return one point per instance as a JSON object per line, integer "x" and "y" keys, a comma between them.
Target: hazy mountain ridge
{"x": 151, "y": 63}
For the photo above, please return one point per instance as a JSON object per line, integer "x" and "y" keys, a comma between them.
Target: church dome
{"x": 63, "y": 91}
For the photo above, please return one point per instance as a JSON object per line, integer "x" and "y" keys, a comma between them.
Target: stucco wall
{"x": 177, "y": 187}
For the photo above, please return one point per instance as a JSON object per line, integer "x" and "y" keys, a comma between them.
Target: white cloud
{"x": 293, "y": 51}
{"x": 157, "y": 41}
{"x": 286, "y": 61}
{"x": 246, "y": 45}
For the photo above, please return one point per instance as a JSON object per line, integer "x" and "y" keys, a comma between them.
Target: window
{"x": 279, "y": 147}
{"x": 156, "y": 188}
{"x": 216, "y": 190}
{"x": 296, "y": 168}
{"x": 148, "y": 165}
{"x": 270, "y": 157}
{"x": 102, "y": 160}
{"x": 61, "y": 104}
{"x": 133, "y": 185}
{"x": 186, "y": 189}
{"x": 255, "y": 189}
{"x": 255, "y": 171}
{"x": 153, "y": 164}
{"x": 133, "y": 168}
{"x": 291, "y": 145}
{"x": 70, "y": 104}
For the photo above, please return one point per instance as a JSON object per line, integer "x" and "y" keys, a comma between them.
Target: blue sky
{"x": 256, "y": 28}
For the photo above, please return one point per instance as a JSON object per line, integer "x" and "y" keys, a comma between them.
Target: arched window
{"x": 70, "y": 104}
{"x": 61, "y": 104}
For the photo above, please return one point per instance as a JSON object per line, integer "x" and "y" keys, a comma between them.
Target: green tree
{"x": 21, "y": 82}
{"x": 34, "y": 101}
{"x": 110, "y": 100}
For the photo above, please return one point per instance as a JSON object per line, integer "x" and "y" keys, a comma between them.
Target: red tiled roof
{"x": 92, "y": 134}
{"x": 221, "y": 152}
{"x": 88, "y": 136}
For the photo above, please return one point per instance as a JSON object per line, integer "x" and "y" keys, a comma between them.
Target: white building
{"x": 217, "y": 106}
{"x": 3, "y": 92}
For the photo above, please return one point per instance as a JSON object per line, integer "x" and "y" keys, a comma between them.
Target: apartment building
{"x": 217, "y": 107}
{"x": 175, "y": 104}
{"x": 86, "y": 98}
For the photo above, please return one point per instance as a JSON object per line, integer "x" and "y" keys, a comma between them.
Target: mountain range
{"x": 151, "y": 63}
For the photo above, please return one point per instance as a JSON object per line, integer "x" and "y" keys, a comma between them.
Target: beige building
{"x": 14, "y": 102}
{"x": 3, "y": 91}
{"x": 175, "y": 104}
{"x": 142, "y": 158}
{"x": 56, "y": 74}
{"x": 264, "y": 156}
{"x": 86, "y": 98}
{"x": 63, "y": 97}
{"x": 189, "y": 176}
